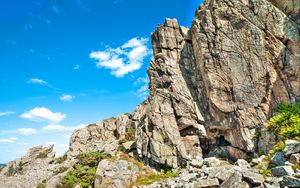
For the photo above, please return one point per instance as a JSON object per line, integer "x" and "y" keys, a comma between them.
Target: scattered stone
{"x": 253, "y": 178}
{"x": 207, "y": 183}
{"x": 242, "y": 163}
{"x": 291, "y": 147}
{"x": 212, "y": 162}
{"x": 277, "y": 159}
{"x": 197, "y": 162}
{"x": 282, "y": 171}
{"x": 289, "y": 181}
{"x": 295, "y": 158}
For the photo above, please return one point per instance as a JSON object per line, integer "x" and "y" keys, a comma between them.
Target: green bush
{"x": 92, "y": 158}
{"x": 61, "y": 169}
{"x": 84, "y": 171}
{"x": 61, "y": 159}
{"x": 287, "y": 122}
{"x": 151, "y": 177}
{"x": 81, "y": 174}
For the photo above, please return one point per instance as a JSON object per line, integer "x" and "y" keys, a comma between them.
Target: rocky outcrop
{"x": 101, "y": 136}
{"x": 212, "y": 86}
{"x": 33, "y": 168}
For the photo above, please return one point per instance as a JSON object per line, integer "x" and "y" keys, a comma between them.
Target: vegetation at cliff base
{"x": 286, "y": 122}
{"x": 84, "y": 171}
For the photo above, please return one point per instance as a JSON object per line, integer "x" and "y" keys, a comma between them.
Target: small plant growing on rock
{"x": 61, "y": 169}
{"x": 61, "y": 159}
{"x": 84, "y": 171}
{"x": 130, "y": 136}
{"x": 42, "y": 155}
{"x": 92, "y": 158}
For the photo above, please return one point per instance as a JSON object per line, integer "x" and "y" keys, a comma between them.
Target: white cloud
{"x": 38, "y": 81}
{"x": 76, "y": 67}
{"x": 21, "y": 151}
{"x": 43, "y": 114}
{"x": 8, "y": 140}
{"x": 143, "y": 91}
{"x": 124, "y": 59}
{"x": 27, "y": 131}
{"x": 67, "y": 98}
{"x": 6, "y": 113}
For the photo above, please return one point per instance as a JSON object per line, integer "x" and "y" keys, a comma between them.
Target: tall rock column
{"x": 169, "y": 122}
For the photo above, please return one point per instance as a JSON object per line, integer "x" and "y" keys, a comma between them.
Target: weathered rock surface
{"x": 211, "y": 89}
{"x": 33, "y": 168}
{"x": 115, "y": 174}
{"x": 101, "y": 136}
{"x": 291, "y": 147}
{"x": 282, "y": 171}
{"x": 216, "y": 83}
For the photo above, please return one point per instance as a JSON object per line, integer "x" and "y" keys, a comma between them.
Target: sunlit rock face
{"x": 213, "y": 85}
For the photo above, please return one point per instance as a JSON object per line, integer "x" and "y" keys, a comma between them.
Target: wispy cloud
{"x": 9, "y": 140}
{"x": 27, "y": 131}
{"x": 43, "y": 114}
{"x": 66, "y": 98}
{"x": 124, "y": 59}
{"x": 143, "y": 91}
{"x": 83, "y": 4}
{"x": 38, "y": 81}
{"x": 76, "y": 67}
{"x": 56, "y": 9}
{"x": 6, "y": 113}
{"x": 28, "y": 27}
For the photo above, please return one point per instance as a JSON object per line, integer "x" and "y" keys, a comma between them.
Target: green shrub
{"x": 61, "y": 169}
{"x": 61, "y": 159}
{"x": 151, "y": 177}
{"x": 92, "y": 158}
{"x": 289, "y": 108}
{"x": 287, "y": 122}
{"x": 84, "y": 171}
{"x": 81, "y": 174}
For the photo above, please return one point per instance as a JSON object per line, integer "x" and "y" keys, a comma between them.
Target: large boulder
{"x": 115, "y": 174}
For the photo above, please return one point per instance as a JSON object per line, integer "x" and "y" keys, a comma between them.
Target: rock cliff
{"x": 213, "y": 85}
{"x": 212, "y": 88}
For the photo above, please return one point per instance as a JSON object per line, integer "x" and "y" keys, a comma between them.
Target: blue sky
{"x": 65, "y": 64}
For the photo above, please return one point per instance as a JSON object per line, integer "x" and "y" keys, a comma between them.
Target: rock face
{"x": 211, "y": 89}
{"x": 101, "y": 136}
{"x": 31, "y": 169}
{"x": 215, "y": 84}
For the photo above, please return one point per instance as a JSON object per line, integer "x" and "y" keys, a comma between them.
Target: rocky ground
{"x": 213, "y": 89}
